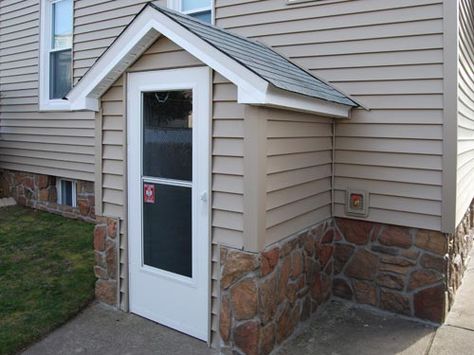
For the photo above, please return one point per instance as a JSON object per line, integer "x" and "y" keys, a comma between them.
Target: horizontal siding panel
{"x": 408, "y": 146}
{"x": 296, "y": 224}
{"x": 400, "y": 218}
{"x": 295, "y": 193}
{"x": 390, "y": 188}
{"x": 415, "y": 176}
{"x": 287, "y": 162}
{"x": 295, "y": 209}
{"x": 227, "y": 237}
{"x": 393, "y": 160}
{"x": 282, "y": 180}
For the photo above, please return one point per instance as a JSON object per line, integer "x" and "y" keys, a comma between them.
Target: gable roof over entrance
{"x": 262, "y": 76}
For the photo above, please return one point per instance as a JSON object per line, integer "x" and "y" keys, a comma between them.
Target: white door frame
{"x": 198, "y": 79}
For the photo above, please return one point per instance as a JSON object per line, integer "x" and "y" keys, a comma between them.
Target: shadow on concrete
{"x": 343, "y": 328}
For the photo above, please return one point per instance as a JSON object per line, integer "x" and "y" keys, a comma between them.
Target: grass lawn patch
{"x": 46, "y": 274}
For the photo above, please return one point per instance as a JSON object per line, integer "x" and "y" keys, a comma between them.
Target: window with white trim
{"x": 200, "y": 9}
{"x": 56, "y": 53}
{"x": 66, "y": 190}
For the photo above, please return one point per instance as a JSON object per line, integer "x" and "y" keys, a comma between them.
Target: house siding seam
{"x": 50, "y": 143}
{"x": 389, "y": 56}
{"x": 465, "y": 159}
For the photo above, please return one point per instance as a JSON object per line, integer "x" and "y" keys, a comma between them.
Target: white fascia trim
{"x": 45, "y": 103}
{"x": 278, "y": 98}
{"x": 140, "y": 34}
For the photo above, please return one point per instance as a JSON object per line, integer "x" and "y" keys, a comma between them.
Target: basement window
{"x": 200, "y": 9}
{"x": 66, "y": 189}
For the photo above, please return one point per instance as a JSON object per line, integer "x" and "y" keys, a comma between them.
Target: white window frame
{"x": 177, "y": 5}
{"x": 60, "y": 194}
{"x": 45, "y": 103}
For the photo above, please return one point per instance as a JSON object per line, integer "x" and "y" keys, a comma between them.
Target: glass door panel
{"x": 167, "y": 180}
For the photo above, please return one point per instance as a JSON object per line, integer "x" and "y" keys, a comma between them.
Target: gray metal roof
{"x": 260, "y": 59}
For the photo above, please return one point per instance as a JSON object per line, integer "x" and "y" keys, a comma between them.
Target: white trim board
{"x": 146, "y": 28}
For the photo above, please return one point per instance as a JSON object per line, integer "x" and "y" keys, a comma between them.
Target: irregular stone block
{"x": 243, "y": 297}
{"x": 268, "y": 299}
{"x": 356, "y": 232}
{"x": 106, "y": 291}
{"x": 342, "y": 253}
{"x": 267, "y": 339}
{"x": 269, "y": 261}
{"x": 341, "y": 288}
{"x": 394, "y": 302}
{"x": 396, "y": 237}
{"x": 433, "y": 241}
{"x": 246, "y": 337}
{"x": 237, "y": 265}
{"x": 421, "y": 278}
{"x": 99, "y": 237}
{"x": 364, "y": 292}
{"x": 363, "y": 265}
{"x": 430, "y": 304}
{"x": 434, "y": 262}
{"x": 395, "y": 282}
{"x": 225, "y": 320}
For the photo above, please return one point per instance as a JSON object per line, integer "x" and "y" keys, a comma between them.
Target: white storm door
{"x": 168, "y": 209}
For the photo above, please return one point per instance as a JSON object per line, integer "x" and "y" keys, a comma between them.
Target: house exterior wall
{"x": 465, "y": 129}
{"x": 387, "y": 54}
{"x": 49, "y": 143}
{"x": 96, "y": 25}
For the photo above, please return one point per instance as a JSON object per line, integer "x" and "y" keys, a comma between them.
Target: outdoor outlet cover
{"x": 357, "y": 203}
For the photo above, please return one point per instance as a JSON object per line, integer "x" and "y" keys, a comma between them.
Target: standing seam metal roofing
{"x": 260, "y": 59}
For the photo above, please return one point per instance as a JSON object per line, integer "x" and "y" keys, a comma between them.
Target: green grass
{"x": 46, "y": 274}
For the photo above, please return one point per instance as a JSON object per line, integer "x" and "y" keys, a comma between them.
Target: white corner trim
{"x": 45, "y": 103}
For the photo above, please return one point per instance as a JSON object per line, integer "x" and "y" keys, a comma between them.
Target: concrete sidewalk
{"x": 342, "y": 328}
{"x": 339, "y": 328}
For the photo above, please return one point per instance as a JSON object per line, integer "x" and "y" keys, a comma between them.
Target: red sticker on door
{"x": 149, "y": 193}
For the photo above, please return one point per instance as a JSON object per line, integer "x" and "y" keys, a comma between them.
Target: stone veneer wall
{"x": 106, "y": 250}
{"x": 459, "y": 246}
{"x": 264, "y": 296}
{"x": 409, "y": 271}
{"x": 39, "y": 191}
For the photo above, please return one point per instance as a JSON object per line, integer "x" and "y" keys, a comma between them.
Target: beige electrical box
{"x": 357, "y": 203}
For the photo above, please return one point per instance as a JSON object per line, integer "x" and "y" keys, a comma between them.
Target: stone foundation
{"x": 409, "y": 271}
{"x": 39, "y": 191}
{"x": 264, "y": 296}
{"x": 106, "y": 259}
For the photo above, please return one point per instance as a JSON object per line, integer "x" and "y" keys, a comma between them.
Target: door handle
{"x": 204, "y": 196}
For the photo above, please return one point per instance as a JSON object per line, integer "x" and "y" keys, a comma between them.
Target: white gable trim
{"x": 146, "y": 28}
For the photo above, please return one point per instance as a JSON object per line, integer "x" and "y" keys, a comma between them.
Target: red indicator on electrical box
{"x": 148, "y": 193}
{"x": 356, "y": 201}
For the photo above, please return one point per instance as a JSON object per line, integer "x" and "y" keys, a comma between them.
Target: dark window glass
{"x": 167, "y": 134}
{"x": 203, "y": 16}
{"x": 167, "y": 241}
{"x": 60, "y": 74}
{"x": 66, "y": 192}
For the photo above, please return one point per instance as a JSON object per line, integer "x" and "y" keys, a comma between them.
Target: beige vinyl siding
{"x": 387, "y": 54}
{"x": 465, "y": 176}
{"x": 52, "y": 143}
{"x": 298, "y": 172}
{"x": 227, "y": 164}
{"x": 97, "y": 23}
